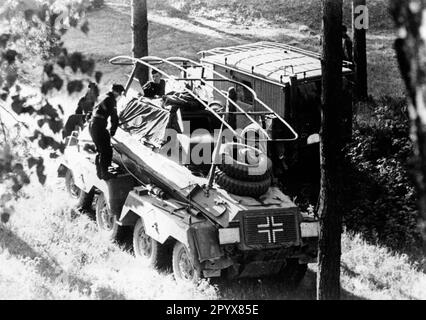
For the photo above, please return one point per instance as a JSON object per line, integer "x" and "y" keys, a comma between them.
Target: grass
{"x": 47, "y": 251}
{"x": 376, "y": 272}
{"x": 167, "y": 37}
{"x": 283, "y": 12}
{"x": 184, "y": 28}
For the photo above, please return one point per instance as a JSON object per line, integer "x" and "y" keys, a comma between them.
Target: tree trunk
{"x": 360, "y": 54}
{"x": 329, "y": 249}
{"x": 410, "y": 48}
{"x": 140, "y": 37}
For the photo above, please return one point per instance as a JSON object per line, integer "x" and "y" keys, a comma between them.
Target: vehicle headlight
{"x": 229, "y": 235}
{"x": 309, "y": 229}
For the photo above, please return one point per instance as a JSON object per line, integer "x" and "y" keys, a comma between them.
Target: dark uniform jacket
{"x": 84, "y": 106}
{"x": 107, "y": 108}
{"x": 152, "y": 89}
{"x": 347, "y": 48}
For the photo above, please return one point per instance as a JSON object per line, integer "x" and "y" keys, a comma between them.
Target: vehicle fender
{"x": 83, "y": 171}
{"x": 116, "y": 191}
{"x": 159, "y": 224}
{"x": 206, "y": 241}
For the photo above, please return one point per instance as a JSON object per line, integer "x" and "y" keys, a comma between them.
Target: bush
{"x": 380, "y": 201}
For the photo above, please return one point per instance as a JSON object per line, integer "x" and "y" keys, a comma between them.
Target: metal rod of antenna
{"x": 296, "y": 136}
{"x": 226, "y": 98}
{"x": 149, "y": 60}
{"x": 214, "y": 160}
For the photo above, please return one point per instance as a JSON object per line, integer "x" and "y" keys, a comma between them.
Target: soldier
{"x": 98, "y": 130}
{"x": 155, "y": 88}
{"x": 83, "y": 111}
{"x": 346, "y": 45}
{"x": 86, "y": 103}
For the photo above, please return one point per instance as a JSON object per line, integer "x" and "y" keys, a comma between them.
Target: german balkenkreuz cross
{"x": 271, "y": 228}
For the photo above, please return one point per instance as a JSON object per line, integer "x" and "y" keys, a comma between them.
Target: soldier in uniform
{"x": 98, "y": 130}
{"x": 346, "y": 45}
{"x": 83, "y": 111}
{"x": 86, "y": 103}
{"x": 155, "y": 88}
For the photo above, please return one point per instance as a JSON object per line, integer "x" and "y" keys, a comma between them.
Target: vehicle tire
{"x": 293, "y": 273}
{"x": 148, "y": 251}
{"x": 244, "y": 171}
{"x": 243, "y": 188}
{"x": 83, "y": 200}
{"x": 106, "y": 220}
{"x": 183, "y": 268}
{"x": 253, "y": 130}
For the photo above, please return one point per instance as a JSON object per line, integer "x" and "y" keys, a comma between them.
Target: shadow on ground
{"x": 273, "y": 288}
{"x": 49, "y": 268}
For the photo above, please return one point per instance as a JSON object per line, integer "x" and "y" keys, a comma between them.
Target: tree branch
{"x": 10, "y": 113}
{"x": 4, "y": 130}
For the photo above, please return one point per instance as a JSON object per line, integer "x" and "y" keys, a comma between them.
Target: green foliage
{"x": 380, "y": 199}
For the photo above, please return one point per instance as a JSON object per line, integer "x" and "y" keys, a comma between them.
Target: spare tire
{"x": 243, "y": 171}
{"x": 243, "y": 188}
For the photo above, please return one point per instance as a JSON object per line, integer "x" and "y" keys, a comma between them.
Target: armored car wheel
{"x": 148, "y": 251}
{"x": 106, "y": 220}
{"x": 184, "y": 269}
{"x": 83, "y": 199}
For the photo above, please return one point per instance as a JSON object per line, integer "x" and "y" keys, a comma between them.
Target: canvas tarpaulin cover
{"x": 146, "y": 119}
{"x": 149, "y": 119}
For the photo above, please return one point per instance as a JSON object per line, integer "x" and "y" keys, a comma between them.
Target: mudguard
{"x": 162, "y": 222}
{"x": 84, "y": 173}
{"x": 159, "y": 223}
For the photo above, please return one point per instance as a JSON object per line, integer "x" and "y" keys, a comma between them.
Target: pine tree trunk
{"x": 360, "y": 56}
{"x": 328, "y": 278}
{"x": 410, "y": 18}
{"x": 140, "y": 37}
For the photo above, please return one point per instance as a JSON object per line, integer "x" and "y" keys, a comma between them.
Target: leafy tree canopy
{"x": 32, "y": 54}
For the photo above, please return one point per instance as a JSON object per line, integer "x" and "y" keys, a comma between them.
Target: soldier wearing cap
{"x": 107, "y": 108}
{"x": 155, "y": 88}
